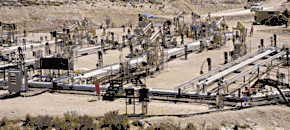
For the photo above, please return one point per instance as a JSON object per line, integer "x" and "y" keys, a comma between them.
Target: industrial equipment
{"x": 257, "y": 6}
{"x": 262, "y": 16}
{"x": 9, "y": 29}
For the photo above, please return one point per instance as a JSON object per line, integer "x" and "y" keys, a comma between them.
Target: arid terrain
{"x": 43, "y": 19}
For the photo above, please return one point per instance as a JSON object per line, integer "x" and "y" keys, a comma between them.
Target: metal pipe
{"x": 206, "y": 75}
{"x": 147, "y": 27}
{"x": 209, "y": 64}
{"x": 152, "y": 38}
{"x": 275, "y": 40}
{"x": 252, "y": 69}
{"x": 219, "y": 22}
{"x": 236, "y": 67}
{"x": 151, "y": 90}
{"x": 226, "y": 57}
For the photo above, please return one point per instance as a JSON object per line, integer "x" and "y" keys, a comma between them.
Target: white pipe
{"x": 236, "y": 67}
{"x": 206, "y": 75}
{"x": 151, "y": 90}
{"x": 154, "y": 35}
{"x": 28, "y": 46}
{"x": 147, "y": 27}
{"x": 204, "y": 19}
{"x": 219, "y": 22}
{"x": 234, "y": 78}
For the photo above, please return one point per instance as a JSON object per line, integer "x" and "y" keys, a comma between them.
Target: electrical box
{"x": 71, "y": 66}
{"x": 15, "y": 83}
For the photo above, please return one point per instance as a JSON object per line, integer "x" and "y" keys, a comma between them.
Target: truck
{"x": 262, "y": 16}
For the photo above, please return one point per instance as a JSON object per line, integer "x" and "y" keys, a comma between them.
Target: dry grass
{"x": 71, "y": 120}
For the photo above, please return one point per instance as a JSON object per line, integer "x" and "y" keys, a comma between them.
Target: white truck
{"x": 256, "y": 7}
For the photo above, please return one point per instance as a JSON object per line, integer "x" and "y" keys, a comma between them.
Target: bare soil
{"x": 177, "y": 71}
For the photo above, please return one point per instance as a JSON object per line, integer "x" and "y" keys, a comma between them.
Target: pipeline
{"x": 12, "y": 49}
{"x": 151, "y": 90}
{"x": 206, "y": 75}
{"x": 236, "y": 67}
{"x": 249, "y": 70}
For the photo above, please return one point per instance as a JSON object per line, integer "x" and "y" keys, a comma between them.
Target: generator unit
{"x": 16, "y": 82}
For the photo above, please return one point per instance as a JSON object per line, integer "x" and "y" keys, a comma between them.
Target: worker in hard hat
{"x": 252, "y": 31}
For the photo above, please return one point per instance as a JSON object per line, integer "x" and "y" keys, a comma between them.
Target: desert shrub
{"x": 163, "y": 126}
{"x": 137, "y": 123}
{"x": 121, "y": 122}
{"x": 108, "y": 118}
{"x": 86, "y": 121}
{"x": 115, "y": 121}
{"x": 246, "y": 126}
{"x": 56, "y": 123}
{"x": 15, "y": 121}
{"x": 190, "y": 126}
{"x": 41, "y": 122}
{"x": 223, "y": 124}
{"x": 27, "y": 121}
{"x": 3, "y": 122}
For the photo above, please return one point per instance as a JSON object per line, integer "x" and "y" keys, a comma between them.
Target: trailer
{"x": 272, "y": 18}
{"x": 262, "y": 16}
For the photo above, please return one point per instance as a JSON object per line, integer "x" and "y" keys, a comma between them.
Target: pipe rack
{"x": 206, "y": 75}
{"x": 234, "y": 68}
{"x": 12, "y": 49}
{"x": 26, "y": 61}
{"x": 91, "y": 50}
{"x": 252, "y": 69}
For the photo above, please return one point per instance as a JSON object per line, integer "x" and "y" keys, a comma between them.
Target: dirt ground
{"x": 177, "y": 71}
